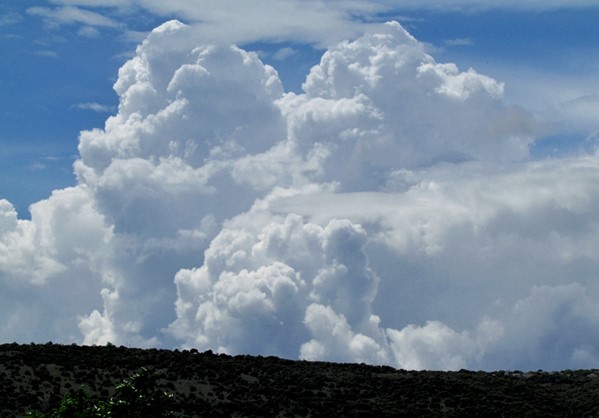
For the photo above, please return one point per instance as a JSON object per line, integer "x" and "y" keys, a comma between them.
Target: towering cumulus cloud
{"x": 389, "y": 214}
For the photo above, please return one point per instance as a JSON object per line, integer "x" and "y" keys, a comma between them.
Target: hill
{"x": 38, "y": 377}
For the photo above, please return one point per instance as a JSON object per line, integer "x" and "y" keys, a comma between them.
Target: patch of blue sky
{"x": 547, "y": 59}
{"x": 29, "y": 177}
{"x": 499, "y": 35}
{"x": 563, "y": 145}
{"x": 45, "y": 76}
{"x": 292, "y": 60}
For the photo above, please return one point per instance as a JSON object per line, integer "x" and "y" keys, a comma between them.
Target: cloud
{"x": 185, "y": 115}
{"x": 335, "y": 340}
{"x": 284, "y": 53}
{"x": 316, "y": 21}
{"x": 578, "y": 114}
{"x": 481, "y": 5}
{"x": 231, "y": 21}
{"x": 91, "y": 3}
{"x": 459, "y": 42}
{"x": 553, "y": 323}
{"x": 88, "y": 32}
{"x": 432, "y": 346}
{"x": 263, "y": 283}
{"x": 96, "y": 107}
{"x": 390, "y": 213}
{"x": 350, "y": 110}
{"x": 8, "y": 18}
{"x": 72, "y": 15}
{"x": 46, "y": 53}
{"x": 219, "y": 10}
{"x": 456, "y": 262}
{"x": 51, "y": 266}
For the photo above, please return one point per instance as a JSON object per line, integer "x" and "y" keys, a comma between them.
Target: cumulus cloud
{"x": 350, "y": 109}
{"x": 51, "y": 266}
{"x": 263, "y": 283}
{"x": 389, "y": 213}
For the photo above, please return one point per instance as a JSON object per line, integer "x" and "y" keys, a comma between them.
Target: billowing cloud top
{"x": 388, "y": 214}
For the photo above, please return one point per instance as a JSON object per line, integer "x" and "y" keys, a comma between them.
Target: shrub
{"x": 137, "y": 397}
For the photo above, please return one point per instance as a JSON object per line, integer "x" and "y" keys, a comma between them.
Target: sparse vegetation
{"x": 99, "y": 380}
{"x": 136, "y": 397}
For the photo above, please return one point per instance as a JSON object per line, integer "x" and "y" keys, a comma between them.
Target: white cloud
{"x": 455, "y": 265}
{"x": 284, "y": 53}
{"x": 213, "y": 11}
{"x": 88, "y": 32}
{"x": 432, "y": 346}
{"x": 452, "y": 236}
{"x": 322, "y": 23}
{"x": 262, "y": 281}
{"x": 334, "y": 340}
{"x": 91, "y": 3}
{"x": 351, "y": 109}
{"x": 231, "y": 21}
{"x": 8, "y": 219}
{"x": 315, "y": 21}
{"x": 387, "y": 214}
{"x": 96, "y": 107}
{"x": 51, "y": 266}
{"x": 459, "y": 42}
{"x": 478, "y": 5}
{"x": 70, "y": 15}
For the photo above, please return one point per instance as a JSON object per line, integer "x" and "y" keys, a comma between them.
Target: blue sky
{"x": 422, "y": 194}
{"x": 52, "y": 72}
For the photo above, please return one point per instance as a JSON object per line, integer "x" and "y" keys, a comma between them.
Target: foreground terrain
{"x": 38, "y": 377}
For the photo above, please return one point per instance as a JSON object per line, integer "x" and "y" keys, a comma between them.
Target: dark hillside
{"x": 38, "y": 377}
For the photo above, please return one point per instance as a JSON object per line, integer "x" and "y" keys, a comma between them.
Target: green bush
{"x": 137, "y": 397}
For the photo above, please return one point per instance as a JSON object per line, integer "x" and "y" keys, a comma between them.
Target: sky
{"x": 390, "y": 182}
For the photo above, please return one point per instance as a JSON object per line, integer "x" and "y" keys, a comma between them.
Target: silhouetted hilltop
{"x": 38, "y": 377}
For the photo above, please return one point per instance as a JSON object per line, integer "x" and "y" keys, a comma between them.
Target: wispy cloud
{"x": 88, "y": 32}
{"x": 46, "y": 53}
{"x": 284, "y": 53}
{"x": 92, "y": 3}
{"x": 10, "y": 18}
{"x": 317, "y": 21}
{"x": 478, "y": 5}
{"x": 11, "y": 37}
{"x": 459, "y": 42}
{"x": 72, "y": 15}
{"x": 96, "y": 107}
